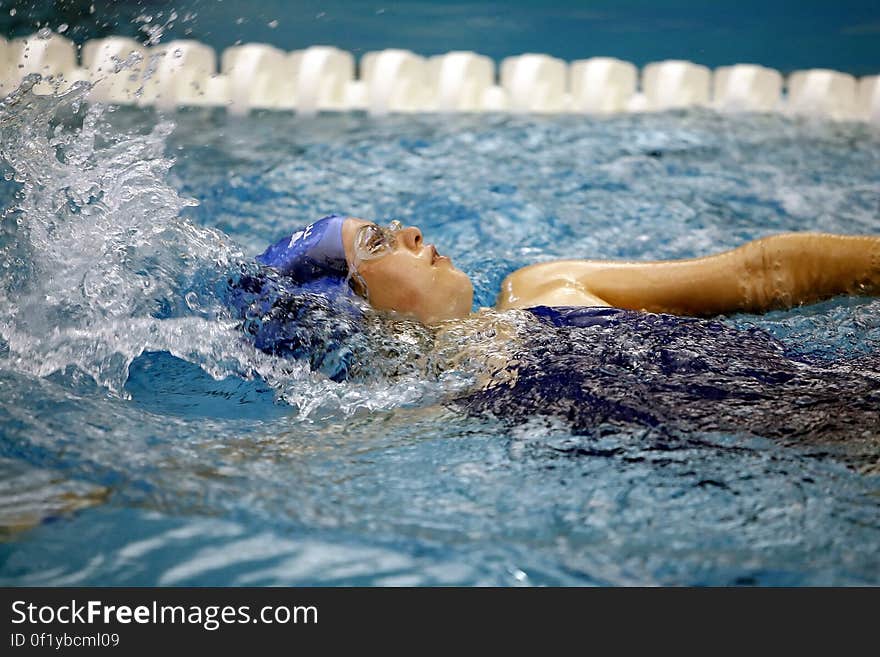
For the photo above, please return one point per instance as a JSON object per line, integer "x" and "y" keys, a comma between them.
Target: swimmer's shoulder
{"x": 556, "y": 283}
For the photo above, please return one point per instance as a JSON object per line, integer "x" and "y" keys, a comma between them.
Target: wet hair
{"x": 297, "y": 301}
{"x": 300, "y": 300}
{"x": 319, "y": 321}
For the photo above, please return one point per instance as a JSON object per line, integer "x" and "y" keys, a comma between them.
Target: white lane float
{"x": 7, "y": 54}
{"x": 460, "y": 80}
{"x": 51, "y": 55}
{"x": 535, "y": 83}
{"x": 116, "y": 68}
{"x": 321, "y": 76}
{"x": 261, "y": 76}
{"x": 356, "y": 95}
{"x": 674, "y": 84}
{"x": 869, "y": 98}
{"x": 822, "y": 93}
{"x": 602, "y": 85}
{"x": 747, "y": 88}
{"x": 216, "y": 92}
{"x": 395, "y": 81}
{"x": 258, "y": 76}
{"x": 181, "y": 73}
{"x": 494, "y": 99}
{"x": 8, "y": 66}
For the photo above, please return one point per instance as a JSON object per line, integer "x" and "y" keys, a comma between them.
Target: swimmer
{"x": 396, "y": 270}
{"x": 595, "y": 344}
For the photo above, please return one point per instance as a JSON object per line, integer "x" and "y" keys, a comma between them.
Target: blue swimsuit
{"x": 598, "y": 368}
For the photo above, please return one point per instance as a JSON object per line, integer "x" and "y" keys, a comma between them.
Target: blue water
{"x": 124, "y": 464}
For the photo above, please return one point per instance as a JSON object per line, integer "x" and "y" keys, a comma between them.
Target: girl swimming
{"x": 593, "y": 343}
{"x": 396, "y": 270}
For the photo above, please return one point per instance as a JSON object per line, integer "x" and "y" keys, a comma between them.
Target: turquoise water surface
{"x": 144, "y": 441}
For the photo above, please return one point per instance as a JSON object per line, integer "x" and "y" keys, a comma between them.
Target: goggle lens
{"x": 374, "y": 241}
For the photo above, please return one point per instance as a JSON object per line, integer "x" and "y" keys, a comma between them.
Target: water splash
{"x": 100, "y": 266}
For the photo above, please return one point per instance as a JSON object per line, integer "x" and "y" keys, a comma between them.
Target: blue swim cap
{"x": 314, "y": 253}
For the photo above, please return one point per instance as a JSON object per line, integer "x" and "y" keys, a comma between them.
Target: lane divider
{"x": 323, "y": 78}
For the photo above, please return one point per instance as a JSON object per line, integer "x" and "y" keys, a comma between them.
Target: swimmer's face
{"x": 404, "y": 274}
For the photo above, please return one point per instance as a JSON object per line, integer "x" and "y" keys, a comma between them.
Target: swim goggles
{"x": 374, "y": 241}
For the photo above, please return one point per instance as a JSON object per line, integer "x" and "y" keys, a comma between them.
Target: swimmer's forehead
{"x": 353, "y": 226}
{"x": 356, "y": 224}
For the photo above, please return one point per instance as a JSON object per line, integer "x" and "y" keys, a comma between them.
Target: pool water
{"x": 143, "y": 440}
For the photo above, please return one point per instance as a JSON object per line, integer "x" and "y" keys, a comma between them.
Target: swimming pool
{"x": 141, "y": 468}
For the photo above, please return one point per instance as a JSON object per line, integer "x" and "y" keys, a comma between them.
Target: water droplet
{"x": 12, "y": 12}
{"x": 272, "y": 24}
{"x": 239, "y": 20}
{"x": 61, "y": 29}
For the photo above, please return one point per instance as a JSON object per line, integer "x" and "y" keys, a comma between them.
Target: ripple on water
{"x": 208, "y": 462}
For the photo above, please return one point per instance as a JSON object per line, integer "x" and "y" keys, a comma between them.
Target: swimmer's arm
{"x": 773, "y": 272}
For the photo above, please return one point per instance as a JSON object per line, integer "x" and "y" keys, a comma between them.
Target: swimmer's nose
{"x": 411, "y": 238}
